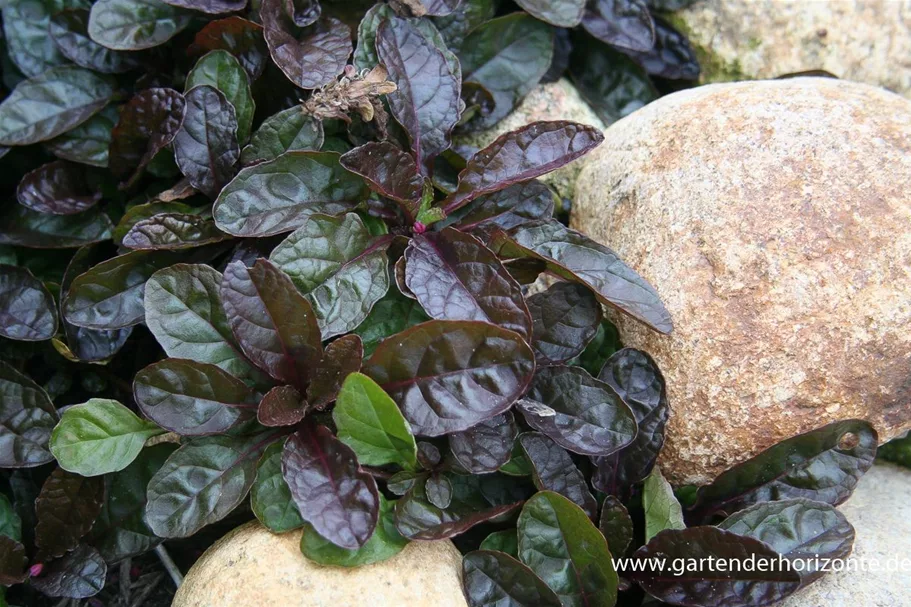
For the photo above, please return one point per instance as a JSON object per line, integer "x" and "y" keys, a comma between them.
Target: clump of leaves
{"x": 242, "y": 266}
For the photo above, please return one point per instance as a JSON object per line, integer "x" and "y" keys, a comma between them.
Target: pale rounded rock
{"x": 880, "y": 511}
{"x": 252, "y": 567}
{"x": 862, "y": 40}
{"x": 552, "y": 101}
{"x": 774, "y": 220}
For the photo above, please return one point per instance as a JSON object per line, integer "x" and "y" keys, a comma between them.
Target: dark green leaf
{"x": 365, "y": 53}
{"x": 520, "y": 155}
{"x": 662, "y": 510}
{"x": 495, "y": 579}
{"x": 23, "y": 227}
{"x": 98, "y": 437}
{"x": 66, "y": 508}
{"x": 27, "y": 309}
{"x": 12, "y": 562}
{"x": 240, "y": 37}
{"x": 566, "y": 317}
{"x": 448, "y": 376}
{"x": 148, "y": 122}
{"x": 52, "y": 103}
{"x": 487, "y": 446}
{"x": 270, "y": 496}
{"x": 281, "y": 406}
{"x": 799, "y": 529}
{"x": 25, "y": 24}
{"x": 455, "y": 26}
{"x": 341, "y": 358}
{"x": 518, "y": 204}
{"x": 438, "y": 489}
{"x": 625, "y": 24}
{"x": 339, "y": 266}
{"x": 672, "y": 57}
{"x": 338, "y": 499}
{"x": 616, "y": 526}
{"x": 78, "y": 575}
{"x": 389, "y": 172}
{"x": 897, "y": 450}
{"x": 205, "y": 147}
{"x": 560, "y": 544}
{"x": 384, "y": 544}
{"x": 273, "y": 323}
{"x": 310, "y": 57}
{"x": 212, "y": 7}
{"x": 172, "y": 232}
{"x": 279, "y": 195}
{"x": 290, "y": 130}
{"x": 577, "y": 258}
{"x": 192, "y": 398}
{"x": 823, "y": 465}
{"x": 553, "y": 470}
{"x": 506, "y": 541}
{"x": 602, "y": 346}
{"x": 577, "y": 411}
{"x": 455, "y": 277}
{"x": 27, "y": 418}
{"x": 392, "y": 314}
{"x": 70, "y": 31}
{"x": 183, "y": 310}
{"x": 562, "y": 13}
{"x": 132, "y": 25}
{"x": 507, "y": 56}
{"x": 202, "y": 482}
{"x": 58, "y": 188}
{"x": 10, "y": 522}
{"x": 729, "y": 586}
{"x": 222, "y": 71}
{"x": 88, "y": 143}
{"x": 141, "y": 212}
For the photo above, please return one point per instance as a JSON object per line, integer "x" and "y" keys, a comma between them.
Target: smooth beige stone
{"x": 774, "y": 219}
{"x": 252, "y": 567}
{"x": 862, "y": 40}
{"x": 553, "y": 101}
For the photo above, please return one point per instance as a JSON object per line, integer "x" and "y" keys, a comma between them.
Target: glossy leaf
{"x": 26, "y": 228}
{"x": 202, "y": 482}
{"x": 566, "y": 318}
{"x": 132, "y": 25}
{"x": 303, "y": 12}
{"x": 310, "y": 57}
{"x": 110, "y": 295}
{"x": 732, "y": 586}
{"x": 455, "y": 277}
{"x": 52, "y": 103}
{"x": 13, "y": 560}
{"x": 471, "y": 504}
{"x": 205, "y": 147}
{"x": 279, "y": 195}
{"x": 79, "y": 574}
{"x": 281, "y": 406}
{"x": 98, "y": 437}
{"x": 455, "y": 26}
{"x": 88, "y": 143}
{"x": 562, "y": 13}
{"x": 799, "y": 529}
{"x": 171, "y": 232}
{"x": 66, "y": 508}
{"x": 388, "y": 171}
{"x": 577, "y": 258}
{"x": 507, "y": 56}
{"x": 148, "y": 210}
{"x": 553, "y": 470}
{"x": 338, "y": 499}
{"x": 520, "y": 155}
{"x": 222, "y": 71}
{"x": 625, "y": 24}
{"x": 384, "y": 544}
{"x": 339, "y": 266}
{"x": 392, "y": 314}
{"x": 10, "y": 522}
{"x": 27, "y": 309}
{"x": 184, "y": 312}
{"x": 513, "y": 206}
{"x": 426, "y": 100}
{"x": 662, "y": 510}
{"x": 149, "y": 121}
{"x": 341, "y": 358}
{"x": 487, "y": 446}
{"x": 211, "y": 7}
{"x": 27, "y": 418}
{"x": 270, "y": 496}
{"x": 447, "y": 376}
{"x": 58, "y": 188}
{"x": 240, "y": 37}
{"x": 578, "y": 412}
{"x": 564, "y": 548}
{"x": 290, "y": 130}
{"x": 28, "y": 46}
{"x": 368, "y": 421}
{"x": 672, "y": 57}
{"x": 496, "y": 579}
{"x": 70, "y": 31}
{"x": 506, "y": 541}
{"x": 823, "y": 465}
{"x": 616, "y": 526}
{"x": 192, "y": 398}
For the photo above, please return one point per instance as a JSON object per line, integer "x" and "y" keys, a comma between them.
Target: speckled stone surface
{"x": 553, "y": 101}
{"x": 880, "y": 511}
{"x": 861, "y": 40}
{"x": 774, "y": 219}
{"x": 251, "y": 567}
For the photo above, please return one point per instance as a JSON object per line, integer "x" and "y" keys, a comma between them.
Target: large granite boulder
{"x": 774, "y": 219}
{"x": 251, "y": 567}
{"x": 876, "y": 573}
{"x": 862, "y": 40}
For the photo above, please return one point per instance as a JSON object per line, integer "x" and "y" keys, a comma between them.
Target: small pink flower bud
{"x": 36, "y": 569}
{"x": 419, "y": 228}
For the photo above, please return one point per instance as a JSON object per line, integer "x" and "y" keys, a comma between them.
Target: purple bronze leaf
{"x": 340, "y": 358}
{"x": 281, "y": 406}
{"x": 65, "y": 509}
{"x": 27, "y": 309}
{"x": 240, "y": 37}
{"x": 553, "y": 470}
{"x": 487, "y": 446}
{"x": 77, "y": 575}
{"x": 389, "y": 172}
{"x": 623, "y": 24}
{"x": 211, "y": 7}
{"x": 58, "y": 188}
